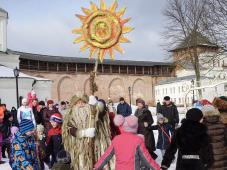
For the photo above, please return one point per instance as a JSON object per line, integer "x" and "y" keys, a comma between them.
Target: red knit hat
{"x": 50, "y": 102}
{"x": 56, "y": 117}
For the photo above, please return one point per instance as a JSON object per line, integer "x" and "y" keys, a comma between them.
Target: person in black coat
{"x": 145, "y": 119}
{"x": 193, "y": 144}
{"x": 123, "y": 108}
{"x": 14, "y": 114}
{"x": 169, "y": 111}
{"x": 36, "y": 112}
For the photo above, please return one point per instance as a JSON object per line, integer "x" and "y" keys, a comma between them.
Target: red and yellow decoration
{"x": 102, "y": 30}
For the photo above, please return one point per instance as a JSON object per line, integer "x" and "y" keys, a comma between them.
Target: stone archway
{"x": 116, "y": 89}
{"x": 138, "y": 90}
{"x": 65, "y": 88}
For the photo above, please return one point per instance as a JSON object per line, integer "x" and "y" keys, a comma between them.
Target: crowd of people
{"x": 87, "y": 132}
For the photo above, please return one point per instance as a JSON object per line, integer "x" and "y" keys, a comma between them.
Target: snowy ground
{"x": 6, "y": 166}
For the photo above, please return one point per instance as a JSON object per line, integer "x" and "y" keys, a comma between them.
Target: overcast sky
{"x": 44, "y": 27}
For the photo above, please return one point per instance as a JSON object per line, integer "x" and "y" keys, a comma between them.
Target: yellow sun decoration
{"x": 102, "y": 30}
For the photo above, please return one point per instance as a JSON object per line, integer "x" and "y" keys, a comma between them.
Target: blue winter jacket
{"x": 24, "y": 152}
{"x": 124, "y": 109}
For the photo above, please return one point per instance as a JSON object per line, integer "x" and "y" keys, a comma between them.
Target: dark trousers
{"x": 5, "y": 147}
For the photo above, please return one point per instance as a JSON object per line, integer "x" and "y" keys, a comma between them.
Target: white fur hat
{"x": 24, "y": 100}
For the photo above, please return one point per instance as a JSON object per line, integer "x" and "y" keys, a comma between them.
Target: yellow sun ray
{"x": 121, "y": 12}
{"x": 110, "y": 51}
{"x": 86, "y": 11}
{"x": 123, "y": 40}
{"x": 125, "y": 21}
{"x": 77, "y": 31}
{"x": 113, "y": 6}
{"x": 127, "y": 29}
{"x": 79, "y": 39}
{"x": 102, "y": 53}
{"x": 93, "y": 7}
{"x": 92, "y": 52}
{"x": 84, "y": 47}
{"x": 118, "y": 48}
{"x": 81, "y": 17}
{"x": 102, "y": 5}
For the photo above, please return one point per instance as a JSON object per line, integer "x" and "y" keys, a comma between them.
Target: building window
{"x": 81, "y": 68}
{"x": 106, "y": 68}
{"x": 61, "y": 66}
{"x": 123, "y": 69}
{"x": 179, "y": 100}
{"x": 115, "y": 69}
{"x": 72, "y": 67}
{"x": 139, "y": 70}
{"x": 53, "y": 66}
{"x": 179, "y": 89}
{"x": 147, "y": 70}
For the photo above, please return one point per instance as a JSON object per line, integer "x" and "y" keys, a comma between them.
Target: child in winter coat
{"x": 63, "y": 161}
{"x": 24, "y": 148}
{"x": 25, "y": 112}
{"x": 54, "y": 137}
{"x": 164, "y": 131}
{"x": 13, "y": 131}
{"x": 41, "y": 147}
{"x": 129, "y": 148}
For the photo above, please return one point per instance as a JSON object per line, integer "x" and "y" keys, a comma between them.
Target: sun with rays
{"x": 102, "y": 30}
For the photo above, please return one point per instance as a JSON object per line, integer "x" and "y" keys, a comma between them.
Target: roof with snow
{"x": 179, "y": 79}
{"x": 194, "y": 39}
{"x": 4, "y": 11}
{"x": 6, "y": 72}
{"x": 62, "y": 59}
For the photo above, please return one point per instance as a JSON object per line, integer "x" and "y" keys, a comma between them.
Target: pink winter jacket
{"x": 130, "y": 152}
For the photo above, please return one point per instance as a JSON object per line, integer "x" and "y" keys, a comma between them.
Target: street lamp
{"x": 193, "y": 93}
{"x": 129, "y": 92}
{"x": 16, "y": 72}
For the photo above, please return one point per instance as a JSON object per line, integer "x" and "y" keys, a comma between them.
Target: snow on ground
{"x": 6, "y": 166}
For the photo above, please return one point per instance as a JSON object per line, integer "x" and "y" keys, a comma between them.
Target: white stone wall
{"x": 3, "y": 32}
{"x": 8, "y": 90}
{"x": 9, "y": 60}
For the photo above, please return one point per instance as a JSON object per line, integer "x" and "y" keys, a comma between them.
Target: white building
{"x": 212, "y": 71}
{"x": 177, "y": 89}
{"x": 10, "y": 61}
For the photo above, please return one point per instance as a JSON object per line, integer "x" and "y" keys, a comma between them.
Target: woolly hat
{"x": 160, "y": 116}
{"x": 194, "y": 114}
{"x": 166, "y": 98}
{"x": 56, "y": 117}
{"x": 26, "y": 126}
{"x": 139, "y": 100}
{"x": 50, "y": 102}
{"x": 63, "y": 157}
{"x": 129, "y": 123}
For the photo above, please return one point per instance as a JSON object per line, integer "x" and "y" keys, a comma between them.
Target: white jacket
{"x": 25, "y": 112}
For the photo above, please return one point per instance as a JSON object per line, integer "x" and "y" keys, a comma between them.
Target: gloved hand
{"x": 72, "y": 131}
{"x": 92, "y": 100}
{"x": 89, "y": 133}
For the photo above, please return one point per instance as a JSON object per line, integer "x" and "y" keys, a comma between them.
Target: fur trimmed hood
{"x": 220, "y": 104}
{"x": 209, "y": 110}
